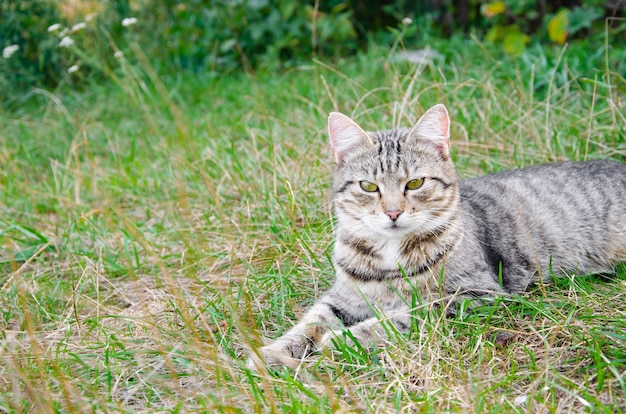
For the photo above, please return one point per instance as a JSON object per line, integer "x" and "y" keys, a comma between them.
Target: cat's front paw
{"x": 276, "y": 355}
{"x": 327, "y": 339}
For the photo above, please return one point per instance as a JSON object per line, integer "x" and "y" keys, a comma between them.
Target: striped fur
{"x": 481, "y": 237}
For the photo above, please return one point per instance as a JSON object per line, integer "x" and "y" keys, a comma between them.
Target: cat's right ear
{"x": 434, "y": 127}
{"x": 345, "y": 136}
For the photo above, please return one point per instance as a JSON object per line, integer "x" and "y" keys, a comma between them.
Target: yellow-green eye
{"x": 415, "y": 184}
{"x": 369, "y": 187}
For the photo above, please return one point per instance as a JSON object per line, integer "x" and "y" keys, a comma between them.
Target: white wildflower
{"x": 8, "y": 51}
{"x": 54, "y": 27}
{"x": 78, "y": 26}
{"x": 64, "y": 32}
{"x": 73, "y": 68}
{"x": 90, "y": 17}
{"x": 129, "y": 21}
{"x": 420, "y": 57}
{"x": 66, "y": 42}
{"x": 407, "y": 21}
{"x": 118, "y": 54}
{"x": 521, "y": 400}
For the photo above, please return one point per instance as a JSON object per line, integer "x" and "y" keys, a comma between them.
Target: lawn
{"x": 154, "y": 227}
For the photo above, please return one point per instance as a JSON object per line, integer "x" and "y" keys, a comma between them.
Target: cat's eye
{"x": 415, "y": 184}
{"x": 369, "y": 187}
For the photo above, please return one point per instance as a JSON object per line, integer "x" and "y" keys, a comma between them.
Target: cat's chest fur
{"x": 379, "y": 259}
{"x": 389, "y": 254}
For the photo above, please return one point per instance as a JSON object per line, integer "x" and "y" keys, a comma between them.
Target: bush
{"x": 212, "y": 35}
{"x": 29, "y": 54}
{"x": 513, "y": 22}
{"x": 216, "y": 36}
{"x": 199, "y": 35}
{"x": 43, "y": 48}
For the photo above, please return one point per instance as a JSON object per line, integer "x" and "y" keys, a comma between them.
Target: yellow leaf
{"x": 495, "y": 34}
{"x": 557, "y": 27}
{"x": 515, "y": 42}
{"x": 493, "y": 9}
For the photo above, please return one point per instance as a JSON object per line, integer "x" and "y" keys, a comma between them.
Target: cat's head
{"x": 396, "y": 182}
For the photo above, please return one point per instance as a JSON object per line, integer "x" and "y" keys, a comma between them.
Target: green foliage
{"x": 220, "y": 35}
{"x": 199, "y": 35}
{"x": 24, "y": 25}
{"x": 513, "y": 21}
{"x": 52, "y": 49}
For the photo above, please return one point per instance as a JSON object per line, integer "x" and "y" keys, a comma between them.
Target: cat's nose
{"x": 393, "y": 214}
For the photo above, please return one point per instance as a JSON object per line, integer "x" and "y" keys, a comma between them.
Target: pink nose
{"x": 393, "y": 214}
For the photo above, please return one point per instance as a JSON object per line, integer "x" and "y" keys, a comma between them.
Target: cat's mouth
{"x": 395, "y": 227}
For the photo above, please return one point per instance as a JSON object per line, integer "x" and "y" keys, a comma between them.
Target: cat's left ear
{"x": 345, "y": 136}
{"x": 434, "y": 127}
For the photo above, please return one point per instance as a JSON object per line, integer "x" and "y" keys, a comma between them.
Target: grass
{"x": 155, "y": 228}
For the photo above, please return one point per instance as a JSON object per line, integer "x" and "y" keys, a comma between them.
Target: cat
{"x": 405, "y": 223}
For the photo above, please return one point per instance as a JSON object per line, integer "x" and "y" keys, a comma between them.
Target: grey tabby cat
{"x": 405, "y": 224}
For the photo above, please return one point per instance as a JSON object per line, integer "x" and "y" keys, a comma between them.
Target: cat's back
{"x": 567, "y": 181}
{"x": 570, "y": 215}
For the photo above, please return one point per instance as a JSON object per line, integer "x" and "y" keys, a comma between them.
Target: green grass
{"x": 154, "y": 228}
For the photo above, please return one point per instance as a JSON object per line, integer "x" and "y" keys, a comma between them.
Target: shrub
{"x": 50, "y": 47}
{"x": 216, "y": 36}
{"x": 197, "y": 34}
{"x": 24, "y": 31}
{"x": 512, "y": 22}
{"x": 244, "y": 33}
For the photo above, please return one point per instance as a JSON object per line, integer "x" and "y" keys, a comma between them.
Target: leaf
{"x": 515, "y": 42}
{"x": 33, "y": 239}
{"x": 29, "y": 232}
{"x": 493, "y": 9}
{"x": 495, "y": 34}
{"x": 287, "y": 9}
{"x": 228, "y": 44}
{"x": 557, "y": 27}
{"x": 579, "y": 18}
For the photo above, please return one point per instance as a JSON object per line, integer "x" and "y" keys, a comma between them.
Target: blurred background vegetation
{"x": 47, "y": 44}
